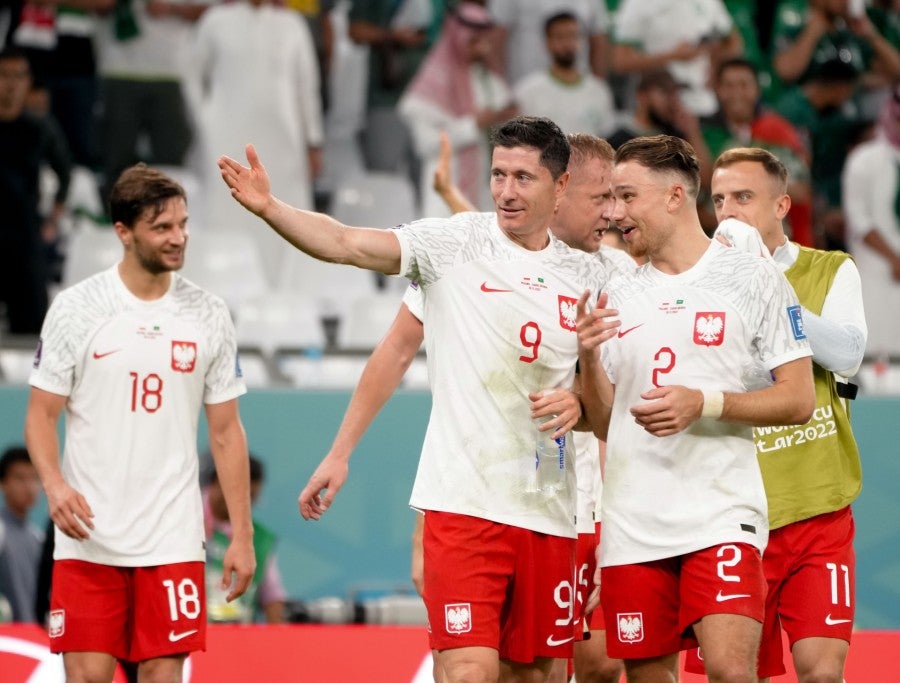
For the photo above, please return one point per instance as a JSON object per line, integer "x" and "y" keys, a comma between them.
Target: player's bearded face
{"x": 639, "y": 208}
{"x": 159, "y": 242}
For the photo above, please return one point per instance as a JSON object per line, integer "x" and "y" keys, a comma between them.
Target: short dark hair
{"x": 10, "y": 457}
{"x": 139, "y": 188}
{"x": 770, "y": 163}
{"x": 584, "y": 146}
{"x": 558, "y": 17}
{"x": 737, "y": 63}
{"x": 537, "y": 132}
{"x": 663, "y": 154}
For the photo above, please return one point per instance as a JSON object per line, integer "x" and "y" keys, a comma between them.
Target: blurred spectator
{"x": 143, "y": 51}
{"x": 810, "y": 33}
{"x": 256, "y": 71}
{"x": 687, "y": 38}
{"x": 829, "y": 122}
{"x": 398, "y": 34}
{"x": 26, "y": 143}
{"x": 578, "y": 102}
{"x": 318, "y": 17}
{"x": 520, "y": 41}
{"x": 871, "y": 187}
{"x": 20, "y": 540}
{"x": 266, "y": 592}
{"x": 659, "y": 110}
{"x": 456, "y": 91}
{"x": 743, "y": 122}
{"x": 59, "y": 40}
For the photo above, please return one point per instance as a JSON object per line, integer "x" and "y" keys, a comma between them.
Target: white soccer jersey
{"x": 667, "y": 496}
{"x": 587, "y": 469}
{"x": 499, "y": 324}
{"x": 136, "y": 374}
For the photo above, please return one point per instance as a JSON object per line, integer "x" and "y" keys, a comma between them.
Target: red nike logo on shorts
{"x": 485, "y": 288}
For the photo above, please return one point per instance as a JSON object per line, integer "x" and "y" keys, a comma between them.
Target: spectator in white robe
{"x": 459, "y": 91}
{"x": 871, "y": 201}
{"x": 257, "y": 78}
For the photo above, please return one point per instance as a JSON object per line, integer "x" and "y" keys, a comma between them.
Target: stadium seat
{"x": 367, "y": 320}
{"x": 91, "y": 248}
{"x": 374, "y": 199}
{"x": 278, "y": 320}
{"x": 314, "y": 370}
{"x": 227, "y": 263}
{"x": 330, "y": 287}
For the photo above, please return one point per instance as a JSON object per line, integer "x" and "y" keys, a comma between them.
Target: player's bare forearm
{"x": 228, "y": 445}
{"x": 313, "y": 233}
{"x": 380, "y": 378}
{"x": 68, "y": 508}
{"x": 789, "y": 401}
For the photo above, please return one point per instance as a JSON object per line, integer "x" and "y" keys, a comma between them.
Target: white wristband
{"x": 713, "y": 404}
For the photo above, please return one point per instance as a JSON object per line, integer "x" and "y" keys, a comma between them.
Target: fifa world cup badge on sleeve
{"x": 796, "y": 318}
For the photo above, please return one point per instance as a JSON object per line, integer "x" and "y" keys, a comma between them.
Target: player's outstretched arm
{"x": 314, "y": 233}
{"x": 68, "y": 508}
{"x": 380, "y": 378}
{"x": 228, "y": 444}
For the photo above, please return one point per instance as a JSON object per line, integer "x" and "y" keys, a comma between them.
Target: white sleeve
{"x": 838, "y": 336}
{"x": 223, "y": 378}
{"x": 722, "y": 18}
{"x": 414, "y": 302}
{"x": 598, "y": 20}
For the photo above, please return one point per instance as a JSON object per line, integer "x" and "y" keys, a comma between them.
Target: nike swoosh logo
{"x": 551, "y": 642}
{"x": 834, "y": 622}
{"x": 723, "y": 598}
{"x": 175, "y": 637}
{"x": 622, "y": 333}
{"x": 485, "y": 288}
{"x": 105, "y": 353}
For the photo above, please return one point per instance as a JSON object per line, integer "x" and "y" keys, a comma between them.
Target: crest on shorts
{"x": 709, "y": 328}
{"x": 631, "y": 626}
{"x": 568, "y": 309}
{"x": 458, "y": 617}
{"x": 184, "y": 355}
{"x": 56, "y": 624}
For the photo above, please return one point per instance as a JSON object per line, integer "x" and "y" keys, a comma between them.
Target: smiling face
{"x": 738, "y": 93}
{"x": 583, "y": 211}
{"x": 640, "y": 200}
{"x": 156, "y": 241}
{"x": 745, "y": 191}
{"x": 525, "y": 194}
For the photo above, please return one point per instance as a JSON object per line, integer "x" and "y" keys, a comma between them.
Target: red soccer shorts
{"x": 499, "y": 586}
{"x": 132, "y": 613}
{"x": 810, "y": 569}
{"x": 649, "y": 608}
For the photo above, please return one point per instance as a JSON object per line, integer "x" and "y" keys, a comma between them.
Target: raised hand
{"x": 595, "y": 326}
{"x": 250, "y": 186}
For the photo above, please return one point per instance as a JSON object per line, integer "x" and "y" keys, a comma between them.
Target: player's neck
{"x": 142, "y": 283}
{"x": 681, "y": 252}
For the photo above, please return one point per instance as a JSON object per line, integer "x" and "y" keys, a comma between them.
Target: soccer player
{"x": 580, "y": 221}
{"x": 811, "y": 473}
{"x": 684, "y": 509}
{"x": 132, "y": 354}
{"x": 499, "y": 295}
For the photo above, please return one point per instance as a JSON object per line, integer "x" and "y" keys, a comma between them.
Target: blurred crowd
{"x": 332, "y": 92}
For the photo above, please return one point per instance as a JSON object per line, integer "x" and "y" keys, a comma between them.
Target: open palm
{"x": 250, "y": 186}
